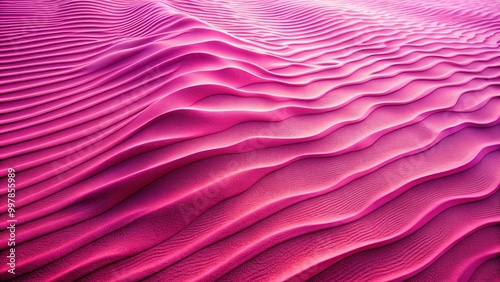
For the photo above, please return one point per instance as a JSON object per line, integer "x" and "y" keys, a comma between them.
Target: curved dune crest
{"x": 288, "y": 140}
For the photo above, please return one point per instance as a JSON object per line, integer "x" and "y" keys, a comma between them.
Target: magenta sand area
{"x": 257, "y": 140}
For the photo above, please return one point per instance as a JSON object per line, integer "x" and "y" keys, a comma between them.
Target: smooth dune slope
{"x": 259, "y": 140}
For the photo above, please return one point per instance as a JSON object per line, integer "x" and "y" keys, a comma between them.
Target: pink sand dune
{"x": 287, "y": 140}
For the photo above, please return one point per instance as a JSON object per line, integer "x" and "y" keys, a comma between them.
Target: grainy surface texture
{"x": 256, "y": 140}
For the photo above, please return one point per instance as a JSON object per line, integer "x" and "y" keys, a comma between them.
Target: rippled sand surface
{"x": 257, "y": 140}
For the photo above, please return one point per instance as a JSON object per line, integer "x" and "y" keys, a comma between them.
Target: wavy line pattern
{"x": 286, "y": 140}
